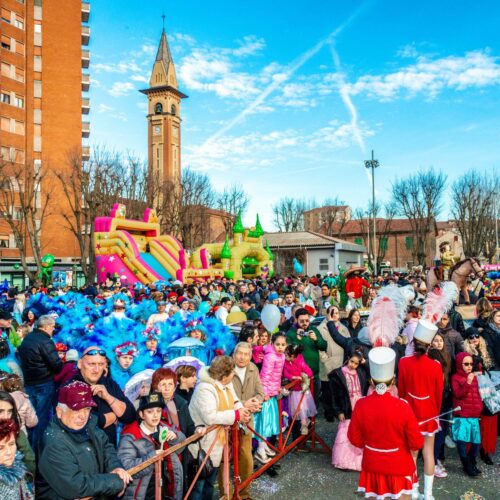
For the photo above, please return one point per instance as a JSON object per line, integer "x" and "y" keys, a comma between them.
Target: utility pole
{"x": 373, "y": 164}
{"x": 497, "y": 250}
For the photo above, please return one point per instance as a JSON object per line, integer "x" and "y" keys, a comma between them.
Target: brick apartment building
{"x": 43, "y": 74}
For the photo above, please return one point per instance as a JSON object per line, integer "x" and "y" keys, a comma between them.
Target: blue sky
{"x": 289, "y": 97}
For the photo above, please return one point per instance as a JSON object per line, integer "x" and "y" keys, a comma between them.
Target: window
{"x": 38, "y": 28}
{"x": 5, "y": 124}
{"x": 323, "y": 264}
{"x": 4, "y": 242}
{"x": 5, "y": 15}
{"x": 19, "y": 48}
{"x": 18, "y": 22}
{"x": 19, "y": 127}
{"x": 5, "y": 98}
{"x": 5, "y": 70}
{"x": 158, "y": 108}
{"x": 173, "y": 109}
{"x": 38, "y": 3}
{"x": 17, "y": 74}
{"x": 6, "y": 42}
{"x": 37, "y": 90}
{"x": 358, "y": 241}
{"x": 409, "y": 243}
{"x": 383, "y": 243}
{"x": 37, "y": 116}
{"x": 19, "y": 102}
{"x": 37, "y": 63}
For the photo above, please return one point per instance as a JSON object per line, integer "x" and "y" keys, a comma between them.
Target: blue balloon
{"x": 204, "y": 307}
{"x": 297, "y": 266}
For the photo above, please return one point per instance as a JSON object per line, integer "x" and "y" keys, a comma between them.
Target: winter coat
{"x": 13, "y": 486}
{"x": 333, "y": 357}
{"x": 137, "y": 447}
{"x": 68, "y": 371}
{"x": 251, "y": 386}
{"x": 204, "y": 412}
{"x": 39, "y": 359}
{"x": 457, "y": 322}
{"x": 421, "y": 382}
{"x": 186, "y": 424}
{"x": 408, "y": 332}
{"x": 465, "y": 395}
{"x": 453, "y": 341}
{"x": 311, "y": 347}
{"x": 387, "y": 429}
{"x": 25, "y": 410}
{"x": 492, "y": 339}
{"x": 355, "y": 285}
{"x": 23, "y": 445}
{"x": 296, "y": 368}
{"x": 73, "y": 467}
{"x": 258, "y": 354}
{"x": 341, "y": 402}
{"x": 360, "y": 343}
{"x": 272, "y": 371}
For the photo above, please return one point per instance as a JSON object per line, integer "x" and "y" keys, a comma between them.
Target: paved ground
{"x": 310, "y": 476}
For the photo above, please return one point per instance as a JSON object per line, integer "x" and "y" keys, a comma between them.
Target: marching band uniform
{"x": 420, "y": 382}
{"x": 386, "y": 428}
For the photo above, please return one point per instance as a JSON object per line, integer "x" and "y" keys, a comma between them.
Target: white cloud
{"x": 104, "y": 108}
{"x": 336, "y": 135}
{"x": 139, "y": 78}
{"x": 120, "y": 89}
{"x": 408, "y": 51}
{"x": 431, "y": 76}
{"x": 119, "y": 67}
{"x": 249, "y": 45}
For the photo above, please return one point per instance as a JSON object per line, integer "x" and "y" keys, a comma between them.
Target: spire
{"x": 238, "y": 225}
{"x": 226, "y": 250}
{"x": 163, "y": 53}
{"x": 258, "y": 227}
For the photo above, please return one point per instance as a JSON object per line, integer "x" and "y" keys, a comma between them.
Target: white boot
{"x": 260, "y": 454}
{"x": 428, "y": 482}
{"x": 415, "y": 493}
{"x": 269, "y": 451}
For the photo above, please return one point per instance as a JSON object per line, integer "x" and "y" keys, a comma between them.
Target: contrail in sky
{"x": 292, "y": 68}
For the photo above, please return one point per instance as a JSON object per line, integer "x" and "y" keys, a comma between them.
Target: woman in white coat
{"x": 214, "y": 402}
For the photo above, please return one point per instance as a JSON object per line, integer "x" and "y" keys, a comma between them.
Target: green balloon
{"x": 16, "y": 266}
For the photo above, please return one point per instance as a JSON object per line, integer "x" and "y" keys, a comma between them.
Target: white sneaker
{"x": 440, "y": 472}
{"x": 449, "y": 442}
{"x": 261, "y": 458}
{"x": 441, "y": 465}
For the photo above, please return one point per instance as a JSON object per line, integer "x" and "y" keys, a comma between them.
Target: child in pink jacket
{"x": 296, "y": 369}
{"x": 27, "y": 414}
{"x": 267, "y": 421}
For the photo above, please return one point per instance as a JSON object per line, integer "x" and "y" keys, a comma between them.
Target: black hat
{"x": 153, "y": 400}
{"x": 4, "y": 314}
{"x": 472, "y": 331}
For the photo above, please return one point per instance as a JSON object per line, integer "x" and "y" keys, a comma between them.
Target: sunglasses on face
{"x": 474, "y": 336}
{"x": 467, "y": 364}
{"x": 95, "y": 352}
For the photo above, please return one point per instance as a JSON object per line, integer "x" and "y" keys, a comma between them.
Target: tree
{"x": 334, "y": 216}
{"x": 419, "y": 198}
{"x": 232, "y": 200}
{"x": 90, "y": 188}
{"x": 289, "y": 214}
{"x": 24, "y": 209}
{"x": 382, "y": 226}
{"x": 473, "y": 208}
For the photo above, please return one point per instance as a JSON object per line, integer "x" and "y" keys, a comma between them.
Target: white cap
{"x": 425, "y": 331}
{"x": 72, "y": 355}
{"x": 382, "y": 363}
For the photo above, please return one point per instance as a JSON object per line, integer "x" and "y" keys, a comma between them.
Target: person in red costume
{"x": 420, "y": 382}
{"x": 387, "y": 430}
{"x": 354, "y": 285}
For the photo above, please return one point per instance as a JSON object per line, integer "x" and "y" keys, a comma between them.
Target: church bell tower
{"x": 164, "y": 118}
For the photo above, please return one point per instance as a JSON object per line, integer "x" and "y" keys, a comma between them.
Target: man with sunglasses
{"x": 112, "y": 405}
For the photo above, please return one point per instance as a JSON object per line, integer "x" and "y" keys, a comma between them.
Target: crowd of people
{"x": 94, "y": 382}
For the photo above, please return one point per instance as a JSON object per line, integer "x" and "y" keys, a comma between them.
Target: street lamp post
{"x": 373, "y": 164}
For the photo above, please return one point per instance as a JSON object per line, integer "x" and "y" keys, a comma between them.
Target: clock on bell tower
{"x": 164, "y": 119}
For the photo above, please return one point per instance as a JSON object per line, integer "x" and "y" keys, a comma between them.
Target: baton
{"x": 458, "y": 408}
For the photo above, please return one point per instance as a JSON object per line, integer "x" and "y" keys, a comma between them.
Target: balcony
{"x": 85, "y": 153}
{"x": 85, "y": 35}
{"x": 85, "y": 82}
{"x": 85, "y": 105}
{"x": 85, "y": 12}
{"x": 85, "y": 58}
{"x": 85, "y": 129}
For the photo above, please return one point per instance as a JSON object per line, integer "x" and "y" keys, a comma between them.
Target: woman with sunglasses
{"x": 466, "y": 430}
{"x": 476, "y": 346}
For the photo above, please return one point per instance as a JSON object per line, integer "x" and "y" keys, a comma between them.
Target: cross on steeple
{"x": 163, "y": 17}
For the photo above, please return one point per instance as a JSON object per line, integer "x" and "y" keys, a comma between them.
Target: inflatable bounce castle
{"x": 135, "y": 251}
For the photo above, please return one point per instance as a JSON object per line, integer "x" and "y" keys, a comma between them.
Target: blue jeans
{"x": 41, "y": 397}
{"x": 204, "y": 488}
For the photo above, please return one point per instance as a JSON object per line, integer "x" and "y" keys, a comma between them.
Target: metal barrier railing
{"x": 282, "y": 449}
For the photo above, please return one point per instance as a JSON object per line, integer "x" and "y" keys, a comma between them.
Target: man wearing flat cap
{"x": 76, "y": 459}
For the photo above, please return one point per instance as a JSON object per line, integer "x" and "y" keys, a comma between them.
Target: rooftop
{"x": 307, "y": 239}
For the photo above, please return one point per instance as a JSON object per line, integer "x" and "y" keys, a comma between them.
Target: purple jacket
{"x": 272, "y": 370}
